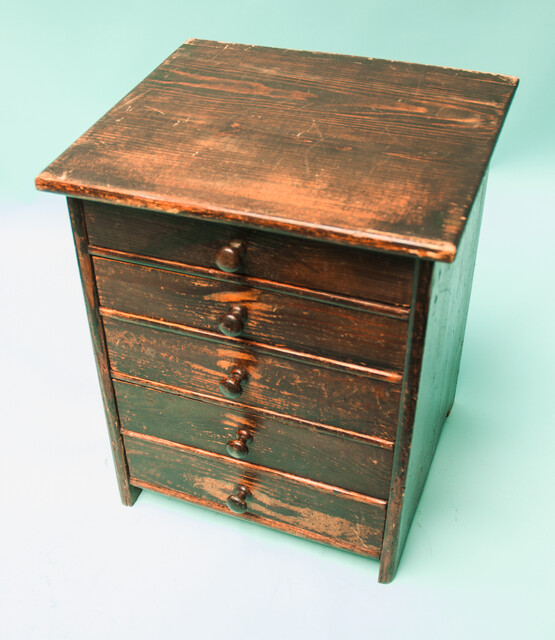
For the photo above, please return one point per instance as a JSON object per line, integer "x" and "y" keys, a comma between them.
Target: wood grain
{"x": 441, "y": 308}
{"x": 288, "y": 321}
{"x": 272, "y": 257}
{"x": 293, "y": 201}
{"x": 366, "y": 152}
{"x": 327, "y": 396}
{"x": 304, "y": 451}
{"x": 341, "y": 518}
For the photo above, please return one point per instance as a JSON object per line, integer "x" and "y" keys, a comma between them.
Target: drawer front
{"x": 301, "y": 324}
{"x": 276, "y": 257}
{"x": 300, "y": 450}
{"x": 325, "y": 395}
{"x": 328, "y": 514}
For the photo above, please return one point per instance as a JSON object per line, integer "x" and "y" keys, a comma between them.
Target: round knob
{"x": 231, "y": 386}
{"x": 238, "y": 502}
{"x": 238, "y": 448}
{"x": 229, "y": 258}
{"x": 232, "y": 322}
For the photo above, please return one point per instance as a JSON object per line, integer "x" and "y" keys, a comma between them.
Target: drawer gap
{"x": 375, "y": 441}
{"x": 394, "y": 311}
{"x": 379, "y": 374}
{"x": 254, "y": 468}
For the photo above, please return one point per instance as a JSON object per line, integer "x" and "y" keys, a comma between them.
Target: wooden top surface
{"x": 368, "y": 152}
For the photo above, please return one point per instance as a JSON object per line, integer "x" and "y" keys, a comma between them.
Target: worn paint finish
{"x": 269, "y": 258}
{"x": 339, "y": 398}
{"x": 322, "y": 454}
{"x": 273, "y": 318}
{"x": 298, "y": 172}
{"x": 339, "y": 517}
{"x": 366, "y": 152}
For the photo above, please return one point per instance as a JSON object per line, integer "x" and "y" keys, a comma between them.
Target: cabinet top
{"x": 366, "y": 152}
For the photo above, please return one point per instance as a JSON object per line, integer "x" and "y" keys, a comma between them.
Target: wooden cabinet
{"x": 276, "y": 250}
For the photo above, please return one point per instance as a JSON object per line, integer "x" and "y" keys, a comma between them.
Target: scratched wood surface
{"x": 301, "y": 450}
{"x": 344, "y": 399}
{"x": 273, "y": 318}
{"x": 364, "y": 151}
{"x": 271, "y": 257}
{"x": 341, "y": 518}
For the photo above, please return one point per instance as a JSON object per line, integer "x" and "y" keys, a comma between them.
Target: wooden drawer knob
{"x": 238, "y": 448}
{"x": 238, "y": 502}
{"x": 231, "y": 386}
{"x": 229, "y": 258}
{"x": 232, "y": 323}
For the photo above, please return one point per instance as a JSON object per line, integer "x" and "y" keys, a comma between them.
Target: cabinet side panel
{"x": 437, "y": 333}
{"x": 128, "y": 493}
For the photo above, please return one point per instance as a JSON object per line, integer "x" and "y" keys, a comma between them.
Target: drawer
{"x": 271, "y": 256}
{"x": 345, "y": 334}
{"x": 326, "y": 395}
{"x": 300, "y": 450}
{"x": 328, "y": 514}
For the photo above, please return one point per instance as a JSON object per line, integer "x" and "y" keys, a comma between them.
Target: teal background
{"x": 479, "y": 562}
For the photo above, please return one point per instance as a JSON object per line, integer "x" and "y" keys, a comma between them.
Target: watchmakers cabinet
{"x": 277, "y": 249}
